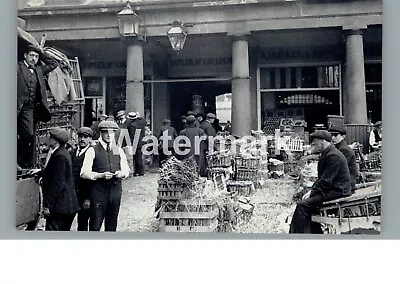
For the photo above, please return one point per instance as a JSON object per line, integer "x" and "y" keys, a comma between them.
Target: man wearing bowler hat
{"x": 60, "y": 203}
{"x": 32, "y": 105}
{"x": 105, "y": 165}
{"x": 338, "y": 139}
{"x": 333, "y": 182}
{"x": 82, "y": 186}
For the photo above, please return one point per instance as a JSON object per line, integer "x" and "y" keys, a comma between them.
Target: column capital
{"x": 139, "y": 40}
{"x": 243, "y": 37}
{"x": 354, "y": 29}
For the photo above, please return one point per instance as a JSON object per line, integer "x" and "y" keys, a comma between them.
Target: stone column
{"x": 241, "y": 106}
{"x": 354, "y": 90}
{"x": 134, "y": 78}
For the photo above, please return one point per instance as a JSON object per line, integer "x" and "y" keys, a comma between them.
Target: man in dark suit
{"x": 196, "y": 144}
{"x": 137, "y": 127}
{"x": 82, "y": 186}
{"x": 166, "y": 149}
{"x": 32, "y": 103}
{"x": 338, "y": 139}
{"x": 333, "y": 182}
{"x": 60, "y": 203}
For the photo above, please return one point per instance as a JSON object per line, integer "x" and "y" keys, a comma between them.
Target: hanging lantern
{"x": 177, "y": 35}
{"x": 128, "y": 21}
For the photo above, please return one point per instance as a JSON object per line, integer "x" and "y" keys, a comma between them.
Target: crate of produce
{"x": 247, "y": 162}
{"x": 197, "y": 215}
{"x": 241, "y": 188}
{"x": 225, "y": 172}
{"x": 217, "y": 160}
{"x": 246, "y": 174}
{"x": 171, "y": 191}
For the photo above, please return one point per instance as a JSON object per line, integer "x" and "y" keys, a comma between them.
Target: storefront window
{"x": 94, "y": 107}
{"x": 373, "y": 88}
{"x": 302, "y": 93}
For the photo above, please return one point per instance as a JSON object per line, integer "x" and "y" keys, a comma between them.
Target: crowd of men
{"x": 87, "y": 180}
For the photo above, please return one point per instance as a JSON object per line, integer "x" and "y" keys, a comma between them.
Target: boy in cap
{"x": 333, "y": 182}
{"x": 105, "y": 165}
{"x": 32, "y": 105}
{"x": 59, "y": 197}
{"x": 338, "y": 139}
{"x": 82, "y": 186}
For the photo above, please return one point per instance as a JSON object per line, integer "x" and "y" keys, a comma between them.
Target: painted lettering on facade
{"x": 200, "y": 61}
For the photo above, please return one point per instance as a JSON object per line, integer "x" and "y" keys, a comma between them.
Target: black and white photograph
{"x": 183, "y": 116}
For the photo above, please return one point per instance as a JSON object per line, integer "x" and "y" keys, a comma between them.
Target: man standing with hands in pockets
{"x": 106, "y": 165}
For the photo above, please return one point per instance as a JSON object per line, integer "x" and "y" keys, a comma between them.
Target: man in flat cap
{"x": 208, "y": 128}
{"x": 166, "y": 144}
{"x": 375, "y": 137}
{"x": 82, "y": 186}
{"x": 105, "y": 165}
{"x": 95, "y": 126}
{"x": 60, "y": 202}
{"x": 137, "y": 130}
{"x": 194, "y": 133}
{"x": 32, "y": 105}
{"x": 338, "y": 139}
{"x": 333, "y": 182}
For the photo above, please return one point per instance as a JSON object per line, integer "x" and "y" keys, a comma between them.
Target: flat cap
{"x": 337, "y": 130}
{"x": 120, "y": 113}
{"x": 190, "y": 119}
{"x": 321, "y": 134}
{"x": 166, "y": 121}
{"x": 108, "y": 125}
{"x": 132, "y": 115}
{"x": 34, "y": 48}
{"x": 61, "y": 135}
{"x": 85, "y": 131}
{"x": 378, "y": 123}
{"x": 210, "y": 115}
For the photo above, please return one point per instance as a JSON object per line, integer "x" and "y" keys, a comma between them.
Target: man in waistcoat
{"x": 60, "y": 203}
{"x": 82, "y": 186}
{"x": 375, "y": 137}
{"x": 32, "y": 105}
{"x": 106, "y": 165}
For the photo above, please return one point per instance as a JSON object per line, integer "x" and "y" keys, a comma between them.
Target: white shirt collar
{"x": 80, "y": 151}
{"x": 103, "y": 144}
{"x": 53, "y": 150}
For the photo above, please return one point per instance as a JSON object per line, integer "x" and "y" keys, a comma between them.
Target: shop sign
{"x": 299, "y": 53}
{"x": 205, "y": 61}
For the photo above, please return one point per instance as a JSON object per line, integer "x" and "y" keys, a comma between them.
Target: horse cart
{"x": 359, "y": 213}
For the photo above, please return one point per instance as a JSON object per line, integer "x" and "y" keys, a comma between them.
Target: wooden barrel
{"x": 358, "y": 133}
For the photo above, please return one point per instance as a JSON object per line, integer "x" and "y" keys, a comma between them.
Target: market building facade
{"x": 299, "y": 59}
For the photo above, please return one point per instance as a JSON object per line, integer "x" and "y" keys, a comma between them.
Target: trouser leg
{"x": 26, "y": 136}
{"x": 138, "y": 160}
{"x": 59, "y": 222}
{"x": 301, "y": 221}
{"x": 114, "y": 202}
{"x": 98, "y": 207}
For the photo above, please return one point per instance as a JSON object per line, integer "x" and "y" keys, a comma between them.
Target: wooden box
{"x": 190, "y": 216}
{"x": 242, "y": 188}
{"x": 168, "y": 191}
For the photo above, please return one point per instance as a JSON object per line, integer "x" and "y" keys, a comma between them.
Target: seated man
{"x": 338, "y": 139}
{"x": 333, "y": 182}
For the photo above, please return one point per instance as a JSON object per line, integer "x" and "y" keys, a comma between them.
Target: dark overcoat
{"x": 58, "y": 184}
